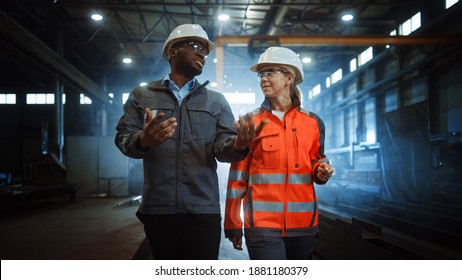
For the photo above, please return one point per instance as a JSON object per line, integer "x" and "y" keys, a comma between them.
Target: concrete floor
{"x": 87, "y": 229}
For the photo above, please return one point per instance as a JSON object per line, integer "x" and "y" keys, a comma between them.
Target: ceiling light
{"x": 347, "y": 17}
{"x": 127, "y": 60}
{"x": 96, "y": 17}
{"x": 306, "y": 60}
{"x": 223, "y": 17}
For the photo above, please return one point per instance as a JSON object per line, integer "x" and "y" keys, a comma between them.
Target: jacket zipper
{"x": 295, "y": 134}
{"x": 284, "y": 229}
{"x": 178, "y": 158}
{"x": 182, "y": 107}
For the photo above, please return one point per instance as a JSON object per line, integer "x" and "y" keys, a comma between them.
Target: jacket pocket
{"x": 267, "y": 155}
{"x": 203, "y": 121}
{"x": 158, "y": 106}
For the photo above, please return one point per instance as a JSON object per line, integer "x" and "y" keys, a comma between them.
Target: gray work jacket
{"x": 180, "y": 174}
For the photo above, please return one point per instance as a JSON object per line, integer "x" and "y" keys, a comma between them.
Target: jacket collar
{"x": 267, "y": 106}
{"x": 159, "y": 85}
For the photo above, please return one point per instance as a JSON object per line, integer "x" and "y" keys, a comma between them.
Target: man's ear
{"x": 172, "y": 52}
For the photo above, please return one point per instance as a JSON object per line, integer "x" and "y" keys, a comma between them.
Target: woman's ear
{"x": 290, "y": 80}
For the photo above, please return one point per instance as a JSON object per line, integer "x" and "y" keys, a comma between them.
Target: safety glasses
{"x": 269, "y": 73}
{"x": 193, "y": 45}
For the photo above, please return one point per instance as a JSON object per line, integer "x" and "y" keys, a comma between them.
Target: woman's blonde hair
{"x": 294, "y": 90}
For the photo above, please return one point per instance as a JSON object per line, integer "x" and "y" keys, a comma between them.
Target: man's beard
{"x": 189, "y": 70}
{"x": 192, "y": 70}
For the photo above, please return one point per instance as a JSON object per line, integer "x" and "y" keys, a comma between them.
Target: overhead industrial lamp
{"x": 347, "y": 17}
{"x": 97, "y": 17}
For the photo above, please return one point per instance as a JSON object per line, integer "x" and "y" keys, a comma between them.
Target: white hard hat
{"x": 281, "y": 56}
{"x": 184, "y": 32}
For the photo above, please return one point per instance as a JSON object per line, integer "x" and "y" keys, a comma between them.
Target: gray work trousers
{"x": 279, "y": 248}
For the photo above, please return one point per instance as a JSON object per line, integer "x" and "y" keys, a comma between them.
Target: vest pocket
{"x": 271, "y": 154}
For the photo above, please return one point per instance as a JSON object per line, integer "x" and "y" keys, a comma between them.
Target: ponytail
{"x": 295, "y": 91}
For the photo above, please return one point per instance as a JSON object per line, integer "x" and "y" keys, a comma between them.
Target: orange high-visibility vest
{"x": 274, "y": 183}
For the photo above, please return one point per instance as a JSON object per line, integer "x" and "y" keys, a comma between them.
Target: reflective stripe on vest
{"x": 266, "y": 206}
{"x": 297, "y": 179}
{"x": 278, "y": 207}
{"x": 238, "y": 175}
{"x": 235, "y": 193}
{"x": 279, "y": 179}
{"x": 300, "y": 206}
{"x": 273, "y": 179}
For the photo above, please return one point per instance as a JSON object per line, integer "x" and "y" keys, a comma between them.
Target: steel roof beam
{"x": 41, "y": 53}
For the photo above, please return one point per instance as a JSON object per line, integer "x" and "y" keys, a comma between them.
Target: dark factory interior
{"x": 387, "y": 84}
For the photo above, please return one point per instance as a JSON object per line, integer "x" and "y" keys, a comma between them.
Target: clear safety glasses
{"x": 269, "y": 73}
{"x": 193, "y": 45}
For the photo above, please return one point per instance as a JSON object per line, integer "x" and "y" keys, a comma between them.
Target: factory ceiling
{"x": 43, "y": 40}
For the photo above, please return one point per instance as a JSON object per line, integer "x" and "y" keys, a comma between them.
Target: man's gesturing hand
{"x": 155, "y": 133}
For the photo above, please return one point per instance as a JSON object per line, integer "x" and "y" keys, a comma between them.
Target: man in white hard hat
{"x": 180, "y": 128}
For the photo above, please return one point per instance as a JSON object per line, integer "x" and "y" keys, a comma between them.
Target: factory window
{"x": 353, "y": 64}
{"x": 370, "y": 121}
{"x": 351, "y": 124}
{"x": 365, "y": 56}
{"x": 336, "y": 76}
{"x": 316, "y": 90}
{"x": 406, "y": 28}
{"x": 84, "y": 99}
{"x": 40, "y": 98}
{"x": 7, "y": 98}
{"x": 411, "y": 25}
{"x": 450, "y": 3}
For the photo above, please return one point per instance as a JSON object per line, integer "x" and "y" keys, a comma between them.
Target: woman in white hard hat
{"x": 275, "y": 180}
{"x": 180, "y": 128}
